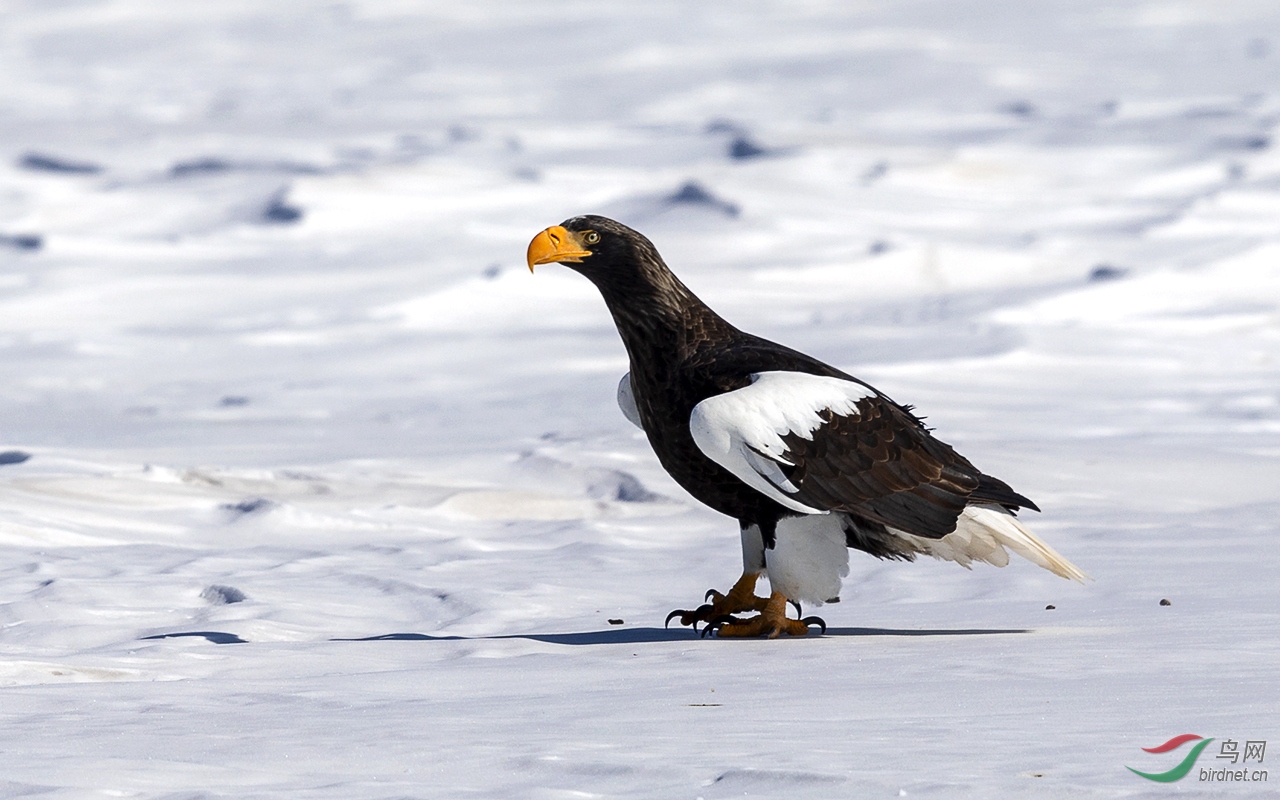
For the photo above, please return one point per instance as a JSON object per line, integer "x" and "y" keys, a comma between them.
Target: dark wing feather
{"x": 883, "y": 465}
{"x": 994, "y": 490}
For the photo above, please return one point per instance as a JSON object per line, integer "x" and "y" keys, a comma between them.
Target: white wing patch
{"x": 627, "y": 401}
{"x": 742, "y": 430}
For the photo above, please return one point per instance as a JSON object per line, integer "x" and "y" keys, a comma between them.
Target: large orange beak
{"x": 556, "y": 244}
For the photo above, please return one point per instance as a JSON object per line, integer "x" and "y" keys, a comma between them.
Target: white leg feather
{"x": 809, "y": 558}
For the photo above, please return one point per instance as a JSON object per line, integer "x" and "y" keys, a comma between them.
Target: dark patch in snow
{"x": 22, "y": 241}
{"x": 875, "y": 172}
{"x": 1050, "y": 607}
{"x": 278, "y": 212}
{"x": 290, "y": 167}
{"x": 200, "y": 166}
{"x": 13, "y": 457}
{"x": 1019, "y": 108}
{"x": 42, "y": 162}
{"x": 1106, "y": 272}
{"x": 492, "y": 271}
{"x": 616, "y": 622}
{"x": 251, "y": 506}
{"x": 234, "y": 400}
{"x": 220, "y": 595}
{"x": 1245, "y": 142}
{"x": 1166, "y": 602}
{"x": 879, "y": 246}
{"x": 461, "y": 133}
{"x": 1212, "y": 112}
{"x": 213, "y": 165}
{"x": 742, "y": 148}
{"x": 694, "y": 194}
{"x": 217, "y": 637}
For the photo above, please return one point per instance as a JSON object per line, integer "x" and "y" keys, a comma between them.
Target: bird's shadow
{"x": 650, "y": 635}
{"x": 609, "y": 636}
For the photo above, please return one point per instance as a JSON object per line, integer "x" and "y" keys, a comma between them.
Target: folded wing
{"x": 816, "y": 444}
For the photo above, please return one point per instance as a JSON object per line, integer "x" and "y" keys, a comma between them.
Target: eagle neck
{"x": 661, "y": 322}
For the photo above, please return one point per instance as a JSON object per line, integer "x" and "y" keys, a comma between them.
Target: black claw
{"x": 819, "y": 621}
{"x": 714, "y": 625}
{"x": 691, "y": 618}
{"x": 795, "y": 603}
{"x": 707, "y": 596}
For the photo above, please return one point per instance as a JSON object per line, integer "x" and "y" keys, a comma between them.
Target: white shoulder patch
{"x": 742, "y": 430}
{"x": 627, "y": 401}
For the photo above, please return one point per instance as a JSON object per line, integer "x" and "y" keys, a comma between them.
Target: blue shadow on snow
{"x": 647, "y": 635}
{"x": 611, "y": 636}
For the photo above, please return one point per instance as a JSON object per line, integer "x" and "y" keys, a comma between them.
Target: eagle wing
{"x": 815, "y": 443}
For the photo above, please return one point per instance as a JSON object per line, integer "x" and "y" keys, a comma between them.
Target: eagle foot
{"x": 742, "y": 597}
{"x": 771, "y": 622}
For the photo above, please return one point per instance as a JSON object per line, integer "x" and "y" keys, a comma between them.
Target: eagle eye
{"x": 591, "y": 237}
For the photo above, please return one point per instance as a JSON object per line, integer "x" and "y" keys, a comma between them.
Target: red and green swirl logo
{"x": 1179, "y": 772}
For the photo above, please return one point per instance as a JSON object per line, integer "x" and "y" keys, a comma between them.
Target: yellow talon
{"x": 772, "y": 622}
{"x": 742, "y": 597}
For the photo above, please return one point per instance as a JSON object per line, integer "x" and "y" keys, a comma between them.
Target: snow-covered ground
{"x": 327, "y": 497}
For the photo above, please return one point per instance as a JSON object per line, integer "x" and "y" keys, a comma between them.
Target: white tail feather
{"x": 982, "y": 533}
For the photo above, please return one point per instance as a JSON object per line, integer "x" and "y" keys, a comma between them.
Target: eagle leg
{"x": 772, "y": 622}
{"x": 742, "y": 597}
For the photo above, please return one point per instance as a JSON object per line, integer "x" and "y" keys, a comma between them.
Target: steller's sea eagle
{"x": 810, "y": 460}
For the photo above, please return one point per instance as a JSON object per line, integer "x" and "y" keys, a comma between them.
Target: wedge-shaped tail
{"x": 982, "y": 533}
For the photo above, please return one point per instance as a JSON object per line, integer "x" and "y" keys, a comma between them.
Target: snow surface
{"x": 267, "y": 338}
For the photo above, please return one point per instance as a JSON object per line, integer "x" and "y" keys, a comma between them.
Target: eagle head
{"x": 597, "y": 247}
